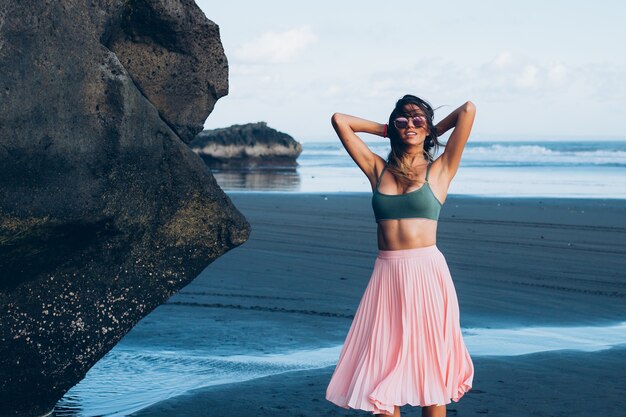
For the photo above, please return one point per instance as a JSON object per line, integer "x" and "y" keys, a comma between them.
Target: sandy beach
{"x": 514, "y": 262}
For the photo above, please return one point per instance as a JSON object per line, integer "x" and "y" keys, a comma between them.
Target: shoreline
{"x": 297, "y": 281}
{"x": 515, "y": 386}
{"x": 573, "y": 199}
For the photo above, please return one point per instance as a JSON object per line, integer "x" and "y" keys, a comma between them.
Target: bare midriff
{"x": 398, "y": 234}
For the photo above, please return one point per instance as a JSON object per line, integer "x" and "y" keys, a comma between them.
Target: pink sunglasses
{"x": 403, "y": 122}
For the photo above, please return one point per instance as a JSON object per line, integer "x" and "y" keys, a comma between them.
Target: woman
{"x": 405, "y": 344}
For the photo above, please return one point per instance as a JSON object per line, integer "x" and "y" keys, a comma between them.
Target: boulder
{"x": 105, "y": 211}
{"x": 250, "y": 145}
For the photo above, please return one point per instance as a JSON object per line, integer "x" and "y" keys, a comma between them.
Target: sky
{"x": 534, "y": 69}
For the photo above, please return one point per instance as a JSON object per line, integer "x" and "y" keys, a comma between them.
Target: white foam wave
{"x": 129, "y": 379}
{"x": 500, "y": 154}
{"x": 542, "y": 154}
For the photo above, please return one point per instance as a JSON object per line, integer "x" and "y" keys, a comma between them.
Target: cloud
{"x": 502, "y": 60}
{"x": 506, "y": 78}
{"x": 332, "y": 91}
{"x": 515, "y": 74}
{"x": 528, "y": 77}
{"x": 277, "y": 47}
{"x": 557, "y": 73}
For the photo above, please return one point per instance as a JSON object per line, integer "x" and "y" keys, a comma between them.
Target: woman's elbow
{"x": 336, "y": 119}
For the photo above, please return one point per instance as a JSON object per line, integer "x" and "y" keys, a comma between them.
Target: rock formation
{"x": 249, "y": 145}
{"x": 105, "y": 212}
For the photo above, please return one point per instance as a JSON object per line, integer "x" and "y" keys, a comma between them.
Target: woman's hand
{"x": 451, "y": 120}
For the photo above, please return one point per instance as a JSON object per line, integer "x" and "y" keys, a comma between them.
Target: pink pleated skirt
{"x": 405, "y": 344}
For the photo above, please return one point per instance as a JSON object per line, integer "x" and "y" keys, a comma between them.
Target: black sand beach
{"x": 515, "y": 262}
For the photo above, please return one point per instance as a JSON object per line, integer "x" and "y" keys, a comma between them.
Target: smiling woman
{"x": 405, "y": 344}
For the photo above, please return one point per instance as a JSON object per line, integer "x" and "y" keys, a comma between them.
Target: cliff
{"x": 249, "y": 145}
{"x": 105, "y": 212}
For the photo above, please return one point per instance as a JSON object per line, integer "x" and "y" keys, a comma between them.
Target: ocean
{"x": 578, "y": 169}
{"x": 134, "y": 376}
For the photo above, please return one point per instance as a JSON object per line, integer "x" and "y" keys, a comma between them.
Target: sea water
{"x": 557, "y": 168}
{"x": 130, "y": 378}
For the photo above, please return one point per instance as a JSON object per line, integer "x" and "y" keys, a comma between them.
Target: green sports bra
{"x": 420, "y": 203}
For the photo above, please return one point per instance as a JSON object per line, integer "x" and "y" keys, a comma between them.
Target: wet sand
{"x": 514, "y": 262}
{"x": 560, "y": 384}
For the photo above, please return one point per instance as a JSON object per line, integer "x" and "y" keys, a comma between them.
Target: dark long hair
{"x": 396, "y": 160}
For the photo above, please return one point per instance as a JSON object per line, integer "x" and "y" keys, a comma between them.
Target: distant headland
{"x": 252, "y": 145}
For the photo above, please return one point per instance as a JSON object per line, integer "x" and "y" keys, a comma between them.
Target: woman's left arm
{"x": 461, "y": 120}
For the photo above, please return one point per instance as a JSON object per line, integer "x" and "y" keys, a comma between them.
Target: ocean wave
{"x": 339, "y": 151}
{"x": 544, "y": 155}
{"x": 137, "y": 378}
{"x": 130, "y": 378}
{"x": 502, "y": 154}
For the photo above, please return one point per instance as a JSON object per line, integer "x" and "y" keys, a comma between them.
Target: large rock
{"x": 249, "y": 145}
{"x": 105, "y": 212}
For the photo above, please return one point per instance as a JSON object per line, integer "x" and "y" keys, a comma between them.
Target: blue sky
{"x": 534, "y": 69}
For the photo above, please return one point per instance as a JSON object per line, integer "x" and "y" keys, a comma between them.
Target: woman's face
{"x": 412, "y": 134}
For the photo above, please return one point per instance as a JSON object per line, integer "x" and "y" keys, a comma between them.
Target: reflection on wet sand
{"x": 268, "y": 179}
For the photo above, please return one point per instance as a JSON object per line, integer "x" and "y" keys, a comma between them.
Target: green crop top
{"x": 420, "y": 203}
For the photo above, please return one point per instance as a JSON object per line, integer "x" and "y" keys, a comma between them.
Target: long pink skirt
{"x": 405, "y": 344}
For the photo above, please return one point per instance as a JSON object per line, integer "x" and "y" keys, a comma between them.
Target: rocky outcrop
{"x": 105, "y": 212}
{"x": 249, "y": 145}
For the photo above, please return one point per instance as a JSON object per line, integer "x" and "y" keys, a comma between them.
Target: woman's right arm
{"x": 346, "y": 127}
{"x": 461, "y": 120}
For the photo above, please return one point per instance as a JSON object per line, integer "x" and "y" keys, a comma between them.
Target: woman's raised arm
{"x": 346, "y": 126}
{"x": 461, "y": 120}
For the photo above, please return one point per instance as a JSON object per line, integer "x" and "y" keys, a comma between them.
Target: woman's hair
{"x": 396, "y": 161}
